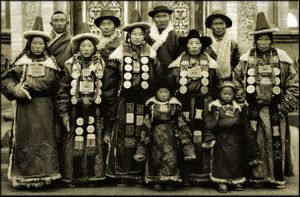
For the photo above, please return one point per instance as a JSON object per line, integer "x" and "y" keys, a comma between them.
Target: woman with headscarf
{"x": 267, "y": 80}
{"x": 137, "y": 70}
{"x": 193, "y": 76}
{"x": 32, "y": 81}
{"x": 82, "y": 110}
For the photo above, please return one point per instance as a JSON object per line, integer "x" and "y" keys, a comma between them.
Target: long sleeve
{"x": 9, "y": 80}
{"x": 63, "y": 94}
{"x": 184, "y": 132}
{"x": 239, "y": 81}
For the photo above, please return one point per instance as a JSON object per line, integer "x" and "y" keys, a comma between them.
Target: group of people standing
{"x": 155, "y": 108}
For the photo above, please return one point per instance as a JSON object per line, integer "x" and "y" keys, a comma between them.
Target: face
{"x": 161, "y": 20}
{"x": 194, "y": 46}
{"x": 163, "y": 94}
{"x": 37, "y": 46}
{"x": 59, "y": 23}
{"x": 218, "y": 27}
{"x": 107, "y": 27}
{"x": 137, "y": 36}
{"x": 86, "y": 48}
{"x": 263, "y": 43}
{"x": 227, "y": 94}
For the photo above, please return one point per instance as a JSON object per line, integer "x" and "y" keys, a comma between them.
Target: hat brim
{"x": 205, "y": 41}
{"x": 131, "y": 26}
{"x": 83, "y": 36}
{"x": 153, "y": 12}
{"x": 209, "y": 20}
{"x": 33, "y": 33}
{"x": 116, "y": 20}
{"x": 264, "y": 31}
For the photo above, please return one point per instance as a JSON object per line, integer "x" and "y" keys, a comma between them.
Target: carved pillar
{"x": 94, "y": 8}
{"x": 246, "y": 23}
{"x": 181, "y": 16}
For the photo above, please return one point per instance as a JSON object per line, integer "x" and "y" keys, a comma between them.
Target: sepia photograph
{"x": 149, "y": 98}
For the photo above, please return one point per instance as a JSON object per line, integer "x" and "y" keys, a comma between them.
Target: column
{"x": 47, "y": 9}
{"x": 246, "y": 22}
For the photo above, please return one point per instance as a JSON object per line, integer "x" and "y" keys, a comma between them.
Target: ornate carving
{"x": 181, "y": 17}
{"x": 246, "y": 21}
{"x": 94, "y": 8}
{"x": 31, "y": 9}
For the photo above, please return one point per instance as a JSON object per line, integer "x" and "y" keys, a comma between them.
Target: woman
{"x": 268, "y": 81}
{"x": 32, "y": 81}
{"x": 137, "y": 71}
{"x": 81, "y": 107}
{"x": 193, "y": 76}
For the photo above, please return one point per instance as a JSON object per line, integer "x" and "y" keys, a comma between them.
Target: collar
{"x": 172, "y": 101}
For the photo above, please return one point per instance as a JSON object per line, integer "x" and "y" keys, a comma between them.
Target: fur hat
{"x": 205, "y": 40}
{"x": 160, "y": 8}
{"x": 107, "y": 14}
{"x": 37, "y": 30}
{"x": 135, "y": 21}
{"x": 218, "y": 14}
{"x": 227, "y": 84}
{"x": 262, "y": 25}
{"x": 84, "y": 33}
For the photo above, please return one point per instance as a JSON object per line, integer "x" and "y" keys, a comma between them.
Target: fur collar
{"x": 211, "y": 62}
{"x": 49, "y": 62}
{"x": 106, "y": 40}
{"x": 172, "y": 101}
{"x": 217, "y": 103}
{"x": 118, "y": 53}
{"x": 159, "y": 39}
{"x": 282, "y": 55}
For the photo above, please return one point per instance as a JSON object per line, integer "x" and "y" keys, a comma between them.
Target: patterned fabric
{"x": 260, "y": 114}
{"x": 34, "y": 153}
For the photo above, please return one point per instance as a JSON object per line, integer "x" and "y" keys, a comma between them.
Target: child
{"x": 228, "y": 132}
{"x": 163, "y": 123}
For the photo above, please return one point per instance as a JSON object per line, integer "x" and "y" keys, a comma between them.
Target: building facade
{"x": 19, "y": 16}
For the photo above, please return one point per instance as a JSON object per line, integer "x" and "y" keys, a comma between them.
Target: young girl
{"x": 227, "y": 131}
{"x": 163, "y": 123}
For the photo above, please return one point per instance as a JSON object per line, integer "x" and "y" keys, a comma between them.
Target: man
{"x": 60, "y": 46}
{"x": 162, "y": 36}
{"x": 109, "y": 36}
{"x": 223, "y": 49}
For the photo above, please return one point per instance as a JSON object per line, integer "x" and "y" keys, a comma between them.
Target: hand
{"x": 209, "y": 144}
{"x": 139, "y": 157}
{"x": 66, "y": 123}
{"x": 21, "y": 93}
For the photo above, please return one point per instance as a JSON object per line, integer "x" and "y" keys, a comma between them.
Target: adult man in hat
{"x": 110, "y": 39}
{"x": 59, "y": 45}
{"x": 266, "y": 78}
{"x": 162, "y": 36}
{"x": 223, "y": 49}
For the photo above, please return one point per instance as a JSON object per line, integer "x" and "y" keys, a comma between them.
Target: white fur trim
{"x": 217, "y": 103}
{"x": 49, "y": 62}
{"x": 172, "y": 101}
{"x": 229, "y": 181}
{"x": 159, "y": 39}
{"x": 282, "y": 55}
{"x": 118, "y": 53}
{"x": 106, "y": 40}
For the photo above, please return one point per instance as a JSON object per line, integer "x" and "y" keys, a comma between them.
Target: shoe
{"x": 122, "y": 183}
{"x": 239, "y": 187}
{"x": 278, "y": 186}
{"x": 91, "y": 185}
{"x": 222, "y": 188}
{"x": 157, "y": 187}
{"x": 186, "y": 183}
{"x": 71, "y": 185}
{"x": 170, "y": 186}
{"x": 257, "y": 185}
{"x": 139, "y": 183}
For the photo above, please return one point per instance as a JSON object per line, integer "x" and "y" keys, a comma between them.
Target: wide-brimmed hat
{"x": 160, "y": 8}
{"x": 262, "y": 25}
{"x": 205, "y": 40}
{"x": 218, "y": 14}
{"x": 107, "y": 14}
{"x": 135, "y": 21}
{"x": 84, "y": 33}
{"x": 37, "y": 30}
